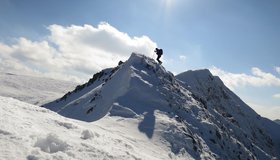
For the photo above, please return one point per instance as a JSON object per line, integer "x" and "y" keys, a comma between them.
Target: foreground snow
{"x": 31, "y": 132}
{"x": 34, "y": 90}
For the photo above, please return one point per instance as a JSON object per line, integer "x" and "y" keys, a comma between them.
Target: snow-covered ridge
{"x": 225, "y": 105}
{"x": 34, "y": 90}
{"x": 205, "y": 119}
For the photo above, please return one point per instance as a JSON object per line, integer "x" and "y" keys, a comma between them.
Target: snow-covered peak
{"x": 199, "y": 79}
{"x": 103, "y": 89}
{"x": 202, "y": 74}
{"x": 196, "y": 115}
{"x": 225, "y": 105}
{"x": 135, "y": 58}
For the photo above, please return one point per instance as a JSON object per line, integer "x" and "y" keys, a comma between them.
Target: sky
{"x": 239, "y": 41}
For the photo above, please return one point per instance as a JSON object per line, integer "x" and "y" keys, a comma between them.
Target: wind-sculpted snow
{"x": 51, "y": 144}
{"x": 192, "y": 114}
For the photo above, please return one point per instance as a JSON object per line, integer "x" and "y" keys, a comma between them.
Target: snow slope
{"x": 34, "y": 90}
{"x": 277, "y": 121}
{"x": 31, "y": 132}
{"x": 225, "y": 105}
{"x": 196, "y": 116}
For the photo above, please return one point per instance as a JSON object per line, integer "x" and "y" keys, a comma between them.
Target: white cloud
{"x": 271, "y": 112}
{"x": 277, "y": 69}
{"x": 258, "y": 78}
{"x": 276, "y": 95}
{"x": 73, "y": 51}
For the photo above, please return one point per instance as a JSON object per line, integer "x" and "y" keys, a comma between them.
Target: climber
{"x": 159, "y": 53}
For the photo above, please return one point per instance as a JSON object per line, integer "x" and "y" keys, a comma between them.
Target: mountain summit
{"x": 193, "y": 114}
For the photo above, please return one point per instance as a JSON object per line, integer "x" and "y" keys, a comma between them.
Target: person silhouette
{"x": 159, "y": 53}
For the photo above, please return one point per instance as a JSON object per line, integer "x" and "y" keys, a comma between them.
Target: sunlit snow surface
{"x": 31, "y": 132}
{"x": 138, "y": 110}
{"x": 31, "y": 89}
